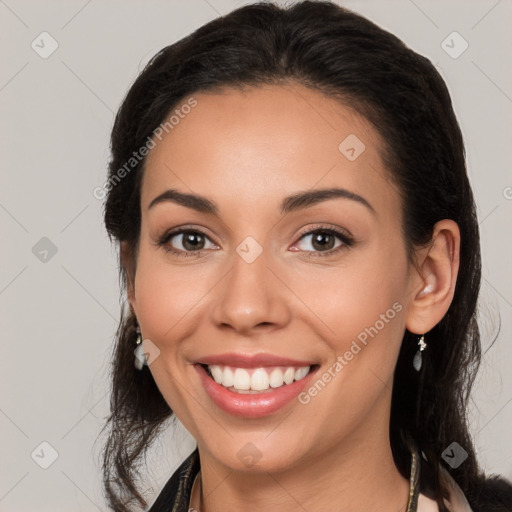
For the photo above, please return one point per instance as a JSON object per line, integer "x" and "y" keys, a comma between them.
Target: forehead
{"x": 262, "y": 143}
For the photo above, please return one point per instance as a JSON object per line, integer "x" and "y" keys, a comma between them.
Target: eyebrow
{"x": 291, "y": 203}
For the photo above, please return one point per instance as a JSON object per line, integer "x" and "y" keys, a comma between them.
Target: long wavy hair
{"x": 344, "y": 56}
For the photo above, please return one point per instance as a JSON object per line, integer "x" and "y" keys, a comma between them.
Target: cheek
{"x": 362, "y": 307}
{"x": 168, "y": 297}
{"x": 362, "y": 296}
{"x": 169, "y": 302}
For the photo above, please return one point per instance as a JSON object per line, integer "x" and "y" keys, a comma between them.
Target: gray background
{"x": 59, "y": 311}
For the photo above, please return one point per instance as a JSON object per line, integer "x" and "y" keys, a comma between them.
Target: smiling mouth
{"x": 256, "y": 380}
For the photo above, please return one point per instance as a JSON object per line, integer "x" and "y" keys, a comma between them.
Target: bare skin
{"x": 246, "y": 152}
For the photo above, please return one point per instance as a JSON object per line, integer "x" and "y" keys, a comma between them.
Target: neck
{"x": 358, "y": 474}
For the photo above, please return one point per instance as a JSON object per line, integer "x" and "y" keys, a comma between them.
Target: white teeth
{"x": 227, "y": 377}
{"x": 216, "y": 372}
{"x": 301, "y": 373}
{"x": 276, "y": 378}
{"x": 242, "y": 379}
{"x": 289, "y": 375}
{"x": 256, "y": 379}
{"x": 259, "y": 380}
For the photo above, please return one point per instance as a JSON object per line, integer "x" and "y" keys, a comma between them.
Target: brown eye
{"x": 192, "y": 241}
{"x": 186, "y": 241}
{"x": 322, "y": 240}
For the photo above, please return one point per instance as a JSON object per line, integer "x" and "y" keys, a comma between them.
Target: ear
{"x": 128, "y": 264}
{"x": 433, "y": 281}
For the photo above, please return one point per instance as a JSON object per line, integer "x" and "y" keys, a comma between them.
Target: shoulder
{"x": 426, "y": 504}
{"x": 490, "y": 494}
{"x": 456, "y": 502}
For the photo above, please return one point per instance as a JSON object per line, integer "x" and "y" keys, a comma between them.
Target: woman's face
{"x": 261, "y": 281}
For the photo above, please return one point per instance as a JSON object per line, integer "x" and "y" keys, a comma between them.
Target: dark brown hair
{"x": 343, "y": 55}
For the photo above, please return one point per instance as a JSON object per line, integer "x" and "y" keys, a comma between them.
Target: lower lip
{"x": 252, "y": 405}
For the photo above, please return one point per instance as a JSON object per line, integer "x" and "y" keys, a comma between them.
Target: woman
{"x": 300, "y": 250}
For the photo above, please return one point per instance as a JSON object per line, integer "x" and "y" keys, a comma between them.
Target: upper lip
{"x": 251, "y": 361}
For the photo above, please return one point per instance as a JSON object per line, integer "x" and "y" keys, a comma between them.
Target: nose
{"x": 251, "y": 298}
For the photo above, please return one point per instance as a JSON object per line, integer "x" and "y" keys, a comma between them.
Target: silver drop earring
{"x": 417, "y": 361}
{"x": 140, "y": 357}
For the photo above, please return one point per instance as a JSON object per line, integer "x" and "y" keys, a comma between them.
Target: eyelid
{"x": 180, "y": 229}
{"x": 163, "y": 241}
{"x": 342, "y": 234}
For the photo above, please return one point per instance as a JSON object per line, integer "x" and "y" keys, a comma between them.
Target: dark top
{"x": 175, "y": 496}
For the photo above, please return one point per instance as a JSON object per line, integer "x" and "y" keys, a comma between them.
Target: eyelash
{"x": 343, "y": 236}
{"x": 164, "y": 240}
